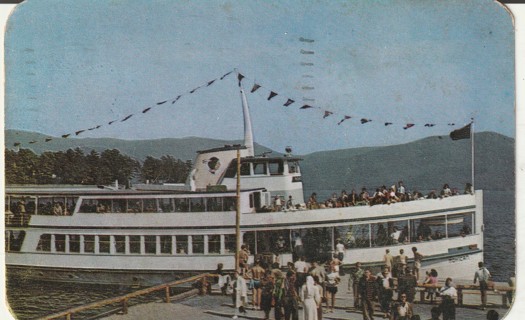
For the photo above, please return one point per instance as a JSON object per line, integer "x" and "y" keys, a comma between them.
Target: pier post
{"x": 460, "y": 296}
{"x": 167, "y": 294}
{"x": 125, "y": 306}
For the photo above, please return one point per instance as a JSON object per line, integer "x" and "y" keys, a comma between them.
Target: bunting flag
{"x": 192, "y": 91}
{"x": 307, "y": 52}
{"x": 409, "y": 125}
{"x": 239, "y": 78}
{"x": 306, "y": 106}
{"x": 126, "y": 118}
{"x": 178, "y": 97}
{"x": 288, "y": 102}
{"x": 327, "y": 114}
{"x": 388, "y": 123}
{"x": 345, "y": 118}
{"x": 79, "y": 132}
{"x": 363, "y": 121}
{"x": 272, "y": 94}
{"x": 451, "y": 124}
{"x": 463, "y": 133}
{"x": 225, "y": 75}
{"x": 48, "y": 139}
{"x": 111, "y": 122}
{"x": 162, "y": 102}
{"x": 210, "y": 82}
{"x": 66, "y": 135}
{"x": 307, "y": 88}
{"x": 146, "y": 110}
{"x": 429, "y": 124}
{"x": 16, "y": 144}
{"x": 307, "y": 63}
{"x": 254, "y": 88}
{"x": 306, "y": 40}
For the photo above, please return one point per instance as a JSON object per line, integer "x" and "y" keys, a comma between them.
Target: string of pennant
{"x": 287, "y": 101}
{"x": 271, "y": 95}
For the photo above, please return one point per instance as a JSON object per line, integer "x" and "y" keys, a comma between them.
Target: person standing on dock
{"x": 311, "y": 299}
{"x": 356, "y": 275}
{"x": 448, "y": 295}
{"x": 483, "y": 275}
{"x": 240, "y": 293}
{"x": 418, "y": 257}
{"x": 368, "y": 289}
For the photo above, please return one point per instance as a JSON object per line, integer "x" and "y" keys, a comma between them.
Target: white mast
{"x": 248, "y": 134}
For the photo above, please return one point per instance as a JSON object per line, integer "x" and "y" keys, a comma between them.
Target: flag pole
{"x": 472, "y": 155}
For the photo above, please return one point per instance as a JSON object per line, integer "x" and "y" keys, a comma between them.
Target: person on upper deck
{"x": 446, "y": 192}
{"x": 469, "y": 189}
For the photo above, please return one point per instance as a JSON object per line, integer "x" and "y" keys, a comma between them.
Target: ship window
{"x": 245, "y": 169}
{"x": 317, "y": 242}
{"x": 166, "y": 205}
{"x": 214, "y": 244}
{"x": 150, "y": 244}
{"x": 181, "y": 205}
{"x": 231, "y": 172}
{"x": 293, "y": 167}
{"x": 230, "y": 203}
{"x": 44, "y": 243}
{"x": 120, "y": 244}
{"x": 197, "y": 244}
{"x": 14, "y": 240}
{"x": 89, "y": 244}
{"x": 103, "y": 244}
{"x": 119, "y": 205}
{"x": 134, "y": 244}
{"x": 182, "y": 244}
{"x": 150, "y": 205}
{"x": 74, "y": 243}
{"x": 60, "y": 242}
{"x": 361, "y": 235}
{"x": 165, "y": 244}
{"x": 260, "y": 168}
{"x": 459, "y": 225}
{"x": 135, "y": 205}
{"x": 214, "y": 204}
{"x": 249, "y": 240}
{"x": 103, "y": 206}
{"x": 273, "y": 241}
{"x": 45, "y": 206}
{"x": 23, "y": 205}
{"x": 276, "y": 167}
{"x": 230, "y": 243}
{"x": 197, "y": 204}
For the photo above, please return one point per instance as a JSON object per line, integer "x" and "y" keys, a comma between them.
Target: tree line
{"x": 75, "y": 167}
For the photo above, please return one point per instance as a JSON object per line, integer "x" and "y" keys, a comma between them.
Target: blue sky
{"x": 73, "y": 65}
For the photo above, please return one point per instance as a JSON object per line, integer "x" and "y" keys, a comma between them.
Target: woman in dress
{"x": 311, "y": 299}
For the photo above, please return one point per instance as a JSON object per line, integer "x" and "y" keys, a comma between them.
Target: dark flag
{"x": 272, "y": 94}
{"x": 16, "y": 144}
{"x": 225, "y": 75}
{"x": 66, "y": 135}
{"x": 48, "y": 139}
{"x": 409, "y": 125}
{"x": 111, "y": 122}
{"x": 363, "y": 121}
{"x": 463, "y": 133}
{"x": 79, "y": 132}
{"x": 345, "y": 118}
{"x": 163, "y": 102}
{"x": 240, "y": 77}
{"x": 210, "y": 82}
{"x": 327, "y": 114}
{"x": 178, "y": 97}
{"x": 146, "y": 110}
{"x": 192, "y": 91}
{"x": 388, "y": 123}
{"x": 429, "y": 124}
{"x": 306, "y": 107}
{"x": 126, "y": 118}
{"x": 255, "y": 87}
{"x": 289, "y": 102}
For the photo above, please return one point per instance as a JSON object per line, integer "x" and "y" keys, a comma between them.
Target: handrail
{"x": 124, "y": 298}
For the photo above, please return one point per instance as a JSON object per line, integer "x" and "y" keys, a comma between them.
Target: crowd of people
{"x": 382, "y": 195}
{"x": 313, "y": 287}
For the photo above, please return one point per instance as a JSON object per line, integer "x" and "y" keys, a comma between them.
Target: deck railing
{"x": 123, "y": 300}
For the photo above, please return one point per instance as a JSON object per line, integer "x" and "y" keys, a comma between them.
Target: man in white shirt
{"x": 483, "y": 275}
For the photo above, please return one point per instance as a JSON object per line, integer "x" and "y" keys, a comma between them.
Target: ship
{"x": 150, "y": 234}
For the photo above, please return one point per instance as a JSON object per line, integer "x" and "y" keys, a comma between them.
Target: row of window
{"x": 211, "y": 204}
{"x": 136, "y": 244}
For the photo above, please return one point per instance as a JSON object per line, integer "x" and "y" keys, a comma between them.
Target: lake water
{"x": 33, "y": 299}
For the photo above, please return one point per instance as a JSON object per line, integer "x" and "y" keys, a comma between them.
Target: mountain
{"x": 183, "y": 148}
{"x": 424, "y": 164}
